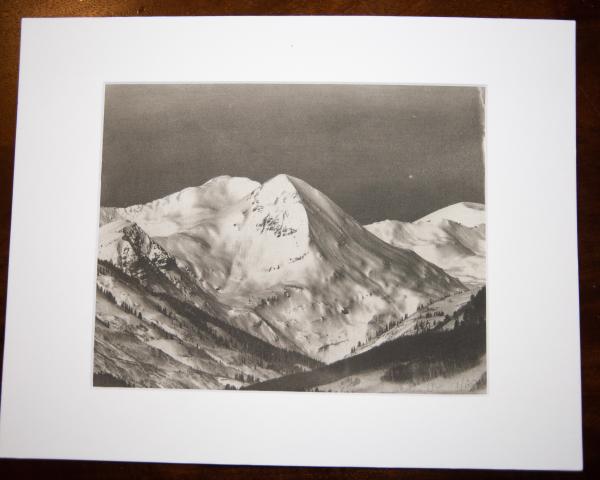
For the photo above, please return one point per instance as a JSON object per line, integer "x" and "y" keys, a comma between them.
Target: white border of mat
{"x": 531, "y": 416}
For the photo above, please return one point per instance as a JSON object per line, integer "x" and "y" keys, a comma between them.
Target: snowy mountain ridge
{"x": 454, "y": 238}
{"x": 469, "y": 214}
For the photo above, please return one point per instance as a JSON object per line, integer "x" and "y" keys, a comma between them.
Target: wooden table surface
{"x": 587, "y": 15}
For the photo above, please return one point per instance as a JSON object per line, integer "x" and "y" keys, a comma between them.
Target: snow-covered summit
{"x": 469, "y": 214}
{"x": 278, "y": 185}
{"x": 180, "y": 210}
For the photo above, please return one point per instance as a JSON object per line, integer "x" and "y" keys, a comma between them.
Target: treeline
{"x": 142, "y": 274}
{"x": 380, "y": 330}
{"x": 122, "y": 305}
{"x": 107, "y": 293}
{"x": 474, "y": 312}
{"x": 454, "y": 361}
{"x": 421, "y": 370}
{"x": 433, "y": 319}
{"x": 249, "y": 378}
{"x": 106, "y": 267}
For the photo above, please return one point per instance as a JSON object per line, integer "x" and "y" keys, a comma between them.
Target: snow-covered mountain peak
{"x": 282, "y": 180}
{"x": 235, "y": 188}
{"x": 468, "y": 214}
{"x": 213, "y": 194}
{"x": 181, "y": 210}
{"x": 270, "y": 237}
{"x": 279, "y": 189}
{"x": 277, "y": 210}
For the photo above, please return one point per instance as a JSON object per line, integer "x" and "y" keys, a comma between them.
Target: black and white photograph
{"x": 292, "y": 237}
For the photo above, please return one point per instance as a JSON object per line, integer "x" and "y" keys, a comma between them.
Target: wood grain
{"x": 587, "y": 14}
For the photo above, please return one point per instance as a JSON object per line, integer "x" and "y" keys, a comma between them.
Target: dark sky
{"x": 378, "y": 151}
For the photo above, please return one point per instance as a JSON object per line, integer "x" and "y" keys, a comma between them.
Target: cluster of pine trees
{"x": 462, "y": 350}
{"x": 122, "y": 305}
{"x": 474, "y": 312}
{"x": 419, "y": 328}
{"x": 107, "y": 267}
{"x": 131, "y": 310}
{"x": 165, "y": 311}
{"x": 427, "y": 369}
{"x": 430, "y": 314}
{"x": 425, "y": 326}
{"x": 246, "y": 378}
{"x": 107, "y": 293}
{"x": 430, "y": 321}
{"x": 377, "y": 332}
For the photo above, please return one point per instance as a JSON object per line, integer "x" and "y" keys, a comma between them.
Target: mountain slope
{"x": 451, "y": 360}
{"x": 127, "y": 247}
{"x": 145, "y": 337}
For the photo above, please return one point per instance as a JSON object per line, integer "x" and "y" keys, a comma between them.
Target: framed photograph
{"x": 227, "y": 282}
{"x": 295, "y": 241}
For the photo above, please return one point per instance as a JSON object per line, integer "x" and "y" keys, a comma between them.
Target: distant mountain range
{"x": 233, "y": 282}
{"x": 452, "y": 238}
